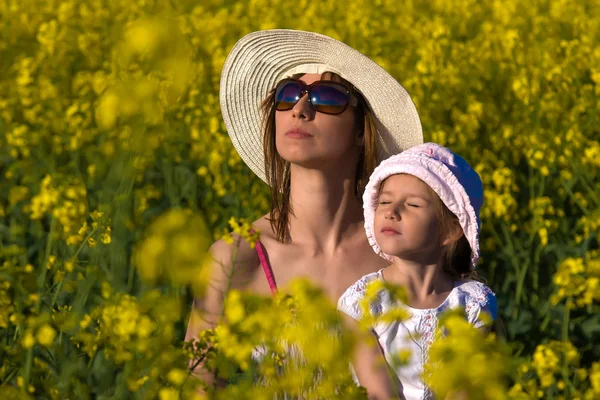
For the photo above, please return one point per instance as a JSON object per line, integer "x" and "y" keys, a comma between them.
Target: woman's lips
{"x": 389, "y": 231}
{"x": 298, "y": 134}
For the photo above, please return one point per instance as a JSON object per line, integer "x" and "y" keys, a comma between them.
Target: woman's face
{"x": 311, "y": 139}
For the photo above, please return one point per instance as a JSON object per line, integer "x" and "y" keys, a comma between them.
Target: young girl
{"x": 422, "y": 214}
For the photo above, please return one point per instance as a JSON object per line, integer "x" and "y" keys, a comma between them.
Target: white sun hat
{"x": 448, "y": 174}
{"x": 260, "y": 59}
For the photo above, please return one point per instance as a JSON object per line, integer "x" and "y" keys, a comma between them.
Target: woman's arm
{"x": 231, "y": 267}
{"x": 370, "y": 365}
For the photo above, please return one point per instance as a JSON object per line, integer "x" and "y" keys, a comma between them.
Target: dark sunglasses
{"x": 326, "y": 97}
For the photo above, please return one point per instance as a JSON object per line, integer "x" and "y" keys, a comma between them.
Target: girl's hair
{"x": 277, "y": 170}
{"x": 456, "y": 255}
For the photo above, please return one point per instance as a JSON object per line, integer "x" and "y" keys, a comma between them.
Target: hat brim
{"x": 260, "y": 59}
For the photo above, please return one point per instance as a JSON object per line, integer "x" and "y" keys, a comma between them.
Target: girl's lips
{"x": 298, "y": 134}
{"x": 389, "y": 231}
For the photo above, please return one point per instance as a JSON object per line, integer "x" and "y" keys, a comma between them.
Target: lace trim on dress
{"x": 478, "y": 300}
{"x": 427, "y": 326}
{"x": 358, "y": 290}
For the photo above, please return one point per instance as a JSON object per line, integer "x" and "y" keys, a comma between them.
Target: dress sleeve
{"x": 482, "y": 307}
{"x": 349, "y": 303}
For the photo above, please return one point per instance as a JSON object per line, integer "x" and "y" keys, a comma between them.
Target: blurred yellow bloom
{"x": 106, "y": 238}
{"x": 168, "y": 394}
{"x": 85, "y": 321}
{"x": 69, "y": 266}
{"x": 46, "y": 335}
{"x": 28, "y": 340}
{"x": 595, "y": 378}
{"x": 457, "y": 345}
{"x": 177, "y": 376}
{"x": 176, "y": 246}
{"x": 578, "y": 279}
{"x": 234, "y": 310}
{"x": 145, "y": 326}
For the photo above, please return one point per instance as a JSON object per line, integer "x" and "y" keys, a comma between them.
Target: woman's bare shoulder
{"x": 263, "y": 225}
{"x": 236, "y": 248}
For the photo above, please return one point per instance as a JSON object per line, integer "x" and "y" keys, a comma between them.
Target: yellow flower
{"x": 69, "y": 266}
{"x": 543, "y": 234}
{"x": 595, "y": 377}
{"x": 145, "y": 326}
{"x": 85, "y": 321}
{"x": 51, "y": 261}
{"x": 234, "y": 310}
{"x": 28, "y": 340}
{"x": 168, "y": 394}
{"x": 46, "y": 335}
{"x": 458, "y": 343}
{"x": 177, "y": 376}
{"x": 106, "y": 238}
{"x": 134, "y": 385}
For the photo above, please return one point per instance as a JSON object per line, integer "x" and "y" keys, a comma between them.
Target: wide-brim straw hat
{"x": 260, "y": 59}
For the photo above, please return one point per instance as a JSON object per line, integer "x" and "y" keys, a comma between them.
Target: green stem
{"x": 565, "y": 324}
{"x": 60, "y": 284}
{"x": 28, "y": 364}
{"x": 565, "y": 339}
{"x": 10, "y": 376}
{"x": 591, "y": 192}
{"x": 520, "y": 268}
{"x": 82, "y": 245}
{"x": 583, "y": 209}
{"x": 521, "y": 282}
{"x": 91, "y": 361}
{"x": 42, "y": 278}
{"x": 130, "y": 278}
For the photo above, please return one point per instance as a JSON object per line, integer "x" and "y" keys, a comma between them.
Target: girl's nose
{"x": 392, "y": 213}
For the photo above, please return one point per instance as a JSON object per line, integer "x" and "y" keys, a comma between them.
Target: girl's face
{"x": 310, "y": 138}
{"x": 406, "y": 220}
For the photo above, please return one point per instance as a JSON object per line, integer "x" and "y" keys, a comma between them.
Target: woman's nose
{"x": 302, "y": 108}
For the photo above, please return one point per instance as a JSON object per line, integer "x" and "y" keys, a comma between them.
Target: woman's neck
{"x": 325, "y": 207}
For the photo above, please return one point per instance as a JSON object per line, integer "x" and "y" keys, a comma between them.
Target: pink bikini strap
{"x": 262, "y": 256}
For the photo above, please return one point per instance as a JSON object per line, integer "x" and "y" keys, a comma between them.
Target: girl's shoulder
{"x": 474, "y": 289}
{"x": 476, "y": 297}
{"x": 358, "y": 288}
{"x": 349, "y": 302}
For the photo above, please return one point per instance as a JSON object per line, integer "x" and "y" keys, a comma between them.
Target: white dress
{"x": 416, "y": 333}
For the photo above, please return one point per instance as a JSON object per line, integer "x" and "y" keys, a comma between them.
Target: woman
{"x": 315, "y": 139}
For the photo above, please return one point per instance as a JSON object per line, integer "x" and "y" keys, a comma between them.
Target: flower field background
{"x": 117, "y": 174}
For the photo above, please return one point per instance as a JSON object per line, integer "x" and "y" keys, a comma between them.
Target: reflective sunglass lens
{"x": 287, "y": 95}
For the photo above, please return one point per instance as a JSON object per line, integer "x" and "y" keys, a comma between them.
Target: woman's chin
{"x": 302, "y": 158}
{"x": 307, "y": 158}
